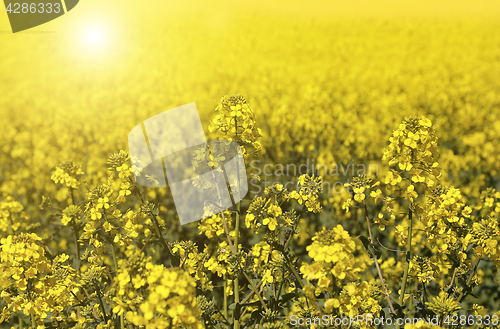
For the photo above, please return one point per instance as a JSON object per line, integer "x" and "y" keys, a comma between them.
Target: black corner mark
{"x": 26, "y": 14}
{"x": 70, "y": 4}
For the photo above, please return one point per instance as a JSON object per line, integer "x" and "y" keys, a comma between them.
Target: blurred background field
{"x": 327, "y": 81}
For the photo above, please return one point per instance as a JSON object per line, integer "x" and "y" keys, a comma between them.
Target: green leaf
{"x": 287, "y": 297}
{"x": 399, "y": 311}
{"x": 374, "y": 253}
{"x": 237, "y": 311}
{"x": 256, "y": 315}
{"x": 366, "y": 242}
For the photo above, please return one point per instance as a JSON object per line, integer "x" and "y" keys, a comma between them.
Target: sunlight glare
{"x": 95, "y": 37}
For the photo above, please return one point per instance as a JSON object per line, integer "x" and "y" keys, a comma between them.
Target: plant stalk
{"x": 33, "y": 321}
{"x": 75, "y": 231}
{"x": 255, "y": 290}
{"x": 236, "y": 236}
{"x": 225, "y": 296}
{"x": 115, "y": 262}
{"x": 408, "y": 258}
{"x": 290, "y": 265}
{"x": 381, "y": 277}
{"x": 459, "y": 299}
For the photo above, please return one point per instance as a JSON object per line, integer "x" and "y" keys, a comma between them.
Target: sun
{"x": 95, "y": 37}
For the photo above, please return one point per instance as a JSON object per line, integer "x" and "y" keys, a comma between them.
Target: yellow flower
{"x": 271, "y": 222}
{"x": 268, "y": 277}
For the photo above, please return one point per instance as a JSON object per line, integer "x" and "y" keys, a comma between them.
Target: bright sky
{"x": 116, "y": 37}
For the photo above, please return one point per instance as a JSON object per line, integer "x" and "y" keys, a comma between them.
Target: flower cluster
{"x": 12, "y": 215}
{"x": 359, "y": 187}
{"x": 194, "y": 262}
{"x": 67, "y": 173}
{"x": 332, "y": 252}
{"x": 413, "y": 150}
{"x": 356, "y": 299}
{"x": 32, "y": 284}
{"x": 119, "y": 163}
{"x": 486, "y": 234}
{"x": 443, "y": 305}
{"x": 157, "y": 297}
{"x": 309, "y": 189}
{"x": 283, "y": 252}
{"x": 235, "y": 119}
{"x": 424, "y": 269}
{"x": 213, "y": 226}
{"x": 267, "y": 211}
{"x": 444, "y": 217}
{"x": 413, "y": 144}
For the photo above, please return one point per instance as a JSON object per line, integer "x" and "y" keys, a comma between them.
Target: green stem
{"x": 32, "y": 300}
{"x": 226, "y": 230}
{"x": 75, "y": 231}
{"x": 225, "y": 296}
{"x": 33, "y": 321}
{"x": 236, "y": 236}
{"x": 250, "y": 294}
{"x": 237, "y": 229}
{"x": 474, "y": 269}
{"x": 115, "y": 262}
{"x": 233, "y": 251}
{"x": 379, "y": 271}
{"x": 295, "y": 227}
{"x": 98, "y": 291}
{"x": 255, "y": 290}
{"x": 175, "y": 261}
{"x": 450, "y": 287}
{"x": 292, "y": 268}
{"x": 408, "y": 258}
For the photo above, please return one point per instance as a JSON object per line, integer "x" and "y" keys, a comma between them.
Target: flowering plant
{"x": 258, "y": 263}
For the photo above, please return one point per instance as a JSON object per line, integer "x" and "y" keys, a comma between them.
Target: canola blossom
{"x": 82, "y": 245}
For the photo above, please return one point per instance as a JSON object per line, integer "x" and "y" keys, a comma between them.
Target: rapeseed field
{"x": 371, "y": 136}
